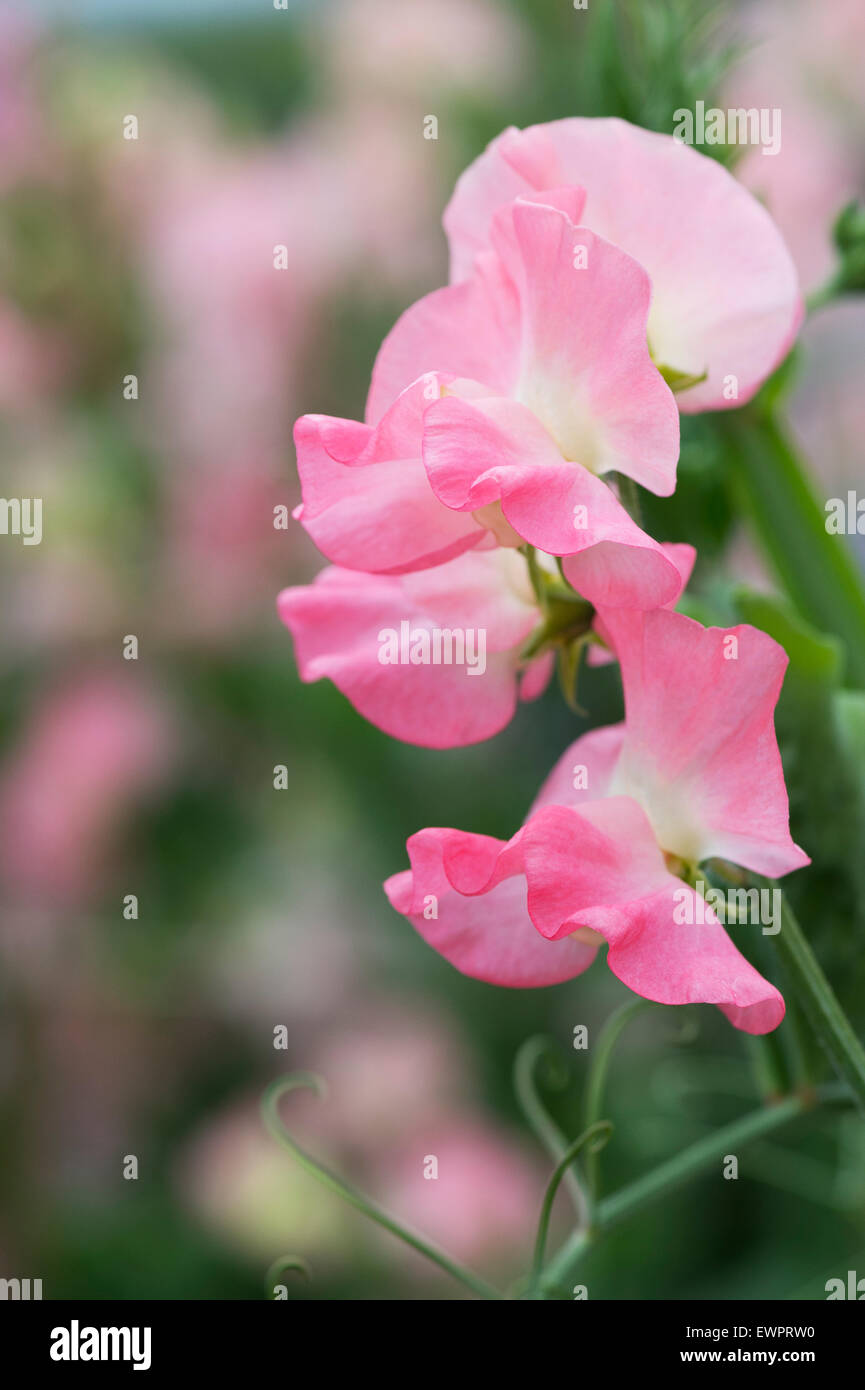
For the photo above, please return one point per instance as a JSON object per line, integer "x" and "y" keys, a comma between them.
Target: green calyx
{"x": 679, "y": 381}
{"x": 565, "y": 615}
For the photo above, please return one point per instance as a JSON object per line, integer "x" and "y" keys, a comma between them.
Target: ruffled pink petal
{"x": 516, "y": 164}
{"x": 508, "y": 911}
{"x": 484, "y": 589}
{"x": 469, "y": 330}
{"x": 600, "y": 868}
{"x": 482, "y": 451}
{"x": 338, "y": 624}
{"x": 591, "y": 861}
{"x": 367, "y": 502}
{"x": 683, "y": 556}
{"x": 700, "y": 752}
{"x": 466, "y": 896}
{"x": 631, "y": 571}
{"x": 725, "y": 296}
{"x": 585, "y": 369}
{"x": 584, "y": 771}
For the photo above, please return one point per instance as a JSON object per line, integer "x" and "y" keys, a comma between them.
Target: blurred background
{"x": 165, "y": 908}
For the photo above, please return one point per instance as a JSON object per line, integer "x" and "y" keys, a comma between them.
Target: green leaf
{"x": 818, "y": 570}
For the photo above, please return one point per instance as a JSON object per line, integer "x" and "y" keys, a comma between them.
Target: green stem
{"x": 281, "y": 1266}
{"x": 598, "y": 1068}
{"x": 273, "y": 1122}
{"x": 828, "y": 1020}
{"x": 799, "y": 1043}
{"x": 596, "y": 1136}
{"x": 629, "y": 497}
{"x": 817, "y": 569}
{"x": 769, "y": 1064}
{"x": 540, "y": 1121}
{"x": 770, "y": 1061}
{"x": 677, "y": 1170}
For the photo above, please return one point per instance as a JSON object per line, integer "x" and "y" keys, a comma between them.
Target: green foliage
{"x": 821, "y": 734}
{"x": 641, "y": 60}
{"x": 849, "y": 236}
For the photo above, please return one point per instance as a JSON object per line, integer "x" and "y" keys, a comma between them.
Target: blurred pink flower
{"x": 804, "y": 186}
{"x": 23, "y": 141}
{"x": 469, "y": 1186}
{"x": 34, "y": 361}
{"x": 801, "y": 62}
{"x": 823, "y": 44}
{"x": 442, "y": 45}
{"x": 238, "y": 257}
{"x": 827, "y": 405}
{"x": 372, "y": 176}
{"x": 246, "y": 1189}
{"x": 388, "y": 1072}
{"x": 231, "y": 321}
{"x": 92, "y": 748}
{"x": 806, "y": 60}
{"x": 225, "y": 510}
{"x": 398, "y": 1087}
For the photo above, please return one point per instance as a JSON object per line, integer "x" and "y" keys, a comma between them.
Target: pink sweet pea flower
{"x": 549, "y": 386}
{"x": 495, "y": 406}
{"x": 378, "y": 636}
{"x": 694, "y": 773}
{"x": 725, "y": 296}
{"x": 367, "y": 501}
{"x": 485, "y": 611}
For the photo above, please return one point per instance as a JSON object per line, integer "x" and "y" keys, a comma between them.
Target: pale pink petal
{"x": 700, "y": 752}
{"x": 585, "y": 369}
{"x": 725, "y": 297}
{"x": 484, "y": 589}
{"x": 367, "y": 502}
{"x": 683, "y": 556}
{"x": 516, "y": 164}
{"x": 675, "y": 962}
{"x": 567, "y": 341}
{"x": 599, "y": 868}
{"x": 584, "y": 771}
{"x": 631, "y": 572}
{"x": 339, "y": 624}
{"x": 483, "y": 451}
{"x": 466, "y": 896}
{"x": 491, "y": 907}
{"x": 469, "y": 330}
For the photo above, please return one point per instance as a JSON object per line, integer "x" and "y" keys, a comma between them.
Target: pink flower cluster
{"x": 603, "y": 279}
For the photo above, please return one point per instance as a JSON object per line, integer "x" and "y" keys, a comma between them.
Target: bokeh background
{"x": 153, "y": 1036}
